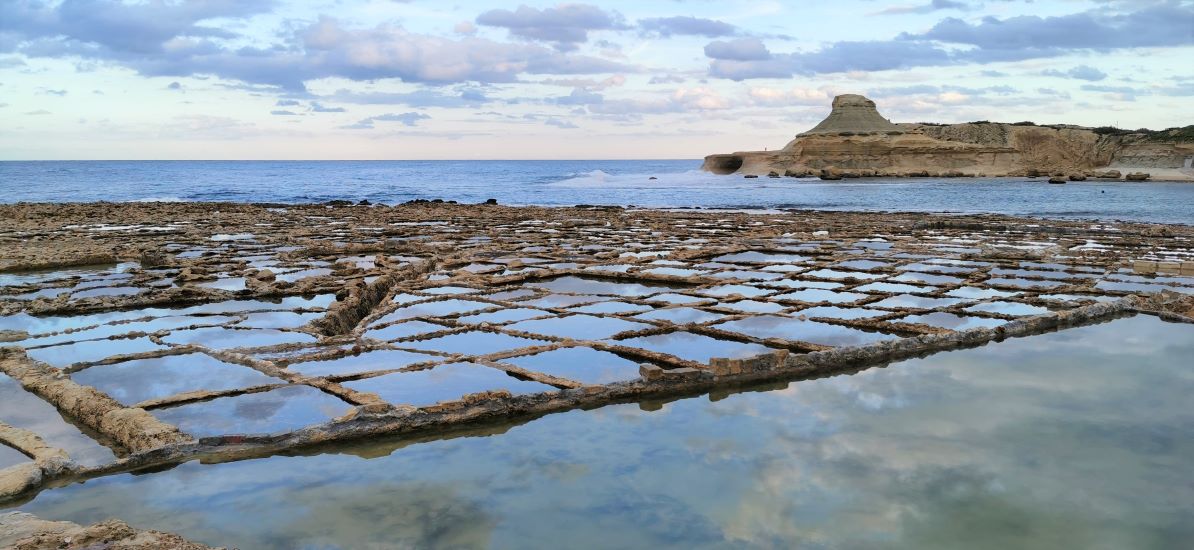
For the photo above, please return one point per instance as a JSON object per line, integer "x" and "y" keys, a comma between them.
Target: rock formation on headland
{"x": 856, "y": 141}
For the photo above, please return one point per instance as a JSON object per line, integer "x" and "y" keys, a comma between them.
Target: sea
{"x": 642, "y": 183}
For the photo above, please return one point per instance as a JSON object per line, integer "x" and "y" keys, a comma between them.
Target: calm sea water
{"x": 679, "y": 183}
{"x": 1076, "y": 439}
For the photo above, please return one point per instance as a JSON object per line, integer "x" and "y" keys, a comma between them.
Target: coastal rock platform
{"x": 142, "y": 335}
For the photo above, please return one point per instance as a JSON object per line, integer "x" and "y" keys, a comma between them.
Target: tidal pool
{"x": 1075, "y": 439}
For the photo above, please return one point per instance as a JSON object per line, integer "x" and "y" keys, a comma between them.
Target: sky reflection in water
{"x": 1078, "y": 439}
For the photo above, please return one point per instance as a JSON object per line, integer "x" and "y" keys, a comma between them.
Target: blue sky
{"x": 382, "y": 79}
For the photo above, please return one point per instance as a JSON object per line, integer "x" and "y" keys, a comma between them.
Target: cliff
{"x": 855, "y": 140}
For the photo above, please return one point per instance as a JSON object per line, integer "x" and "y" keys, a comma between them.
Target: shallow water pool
{"x": 1075, "y": 439}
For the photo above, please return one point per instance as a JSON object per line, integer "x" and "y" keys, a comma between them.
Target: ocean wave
{"x": 642, "y": 180}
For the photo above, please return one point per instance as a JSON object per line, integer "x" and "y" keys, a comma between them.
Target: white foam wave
{"x": 690, "y": 178}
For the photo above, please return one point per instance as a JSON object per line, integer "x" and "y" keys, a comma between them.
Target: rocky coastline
{"x": 855, "y": 141}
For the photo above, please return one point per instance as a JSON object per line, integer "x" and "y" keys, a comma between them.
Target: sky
{"x": 387, "y": 79}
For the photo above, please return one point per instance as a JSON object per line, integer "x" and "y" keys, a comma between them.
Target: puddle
{"x": 512, "y": 294}
{"x": 1023, "y": 283}
{"x": 909, "y": 301}
{"x": 68, "y": 354}
{"x": 1138, "y": 287}
{"x": 616, "y": 268}
{"x": 229, "y": 283}
{"x": 404, "y": 329}
{"x": 434, "y": 309}
{"x": 11, "y": 457}
{"x": 304, "y": 274}
{"x": 237, "y": 306}
{"x": 562, "y": 300}
{"x": 224, "y": 338}
{"x": 918, "y": 277}
{"x": 610, "y": 308}
{"x": 972, "y": 292}
{"x": 132, "y": 382}
{"x": 1077, "y": 298}
{"x": 107, "y": 291}
{"x": 448, "y": 382}
{"x": 950, "y": 321}
{"x": 678, "y": 299}
{"x": 680, "y": 315}
{"x": 406, "y": 298}
{"x": 675, "y": 271}
{"x": 840, "y": 312}
{"x": 817, "y": 295}
{"x": 862, "y": 264}
{"x": 1009, "y": 308}
{"x": 694, "y": 347}
{"x": 581, "y": 364}
{"x": 24, "y": 410}
{"x": 279, "y": 410}
{"x": 754, "y": 257}
{"x": 748, "y": 275}
{"x": 504, "y": 316}
{"x": 579, "y": 285}
{"x": 579, "y": 327}
{"x": 795, "y": 283}
{"x": 835, "y": 274}
{"x": 278, "y": 319}
{"x": 745, "y": 291}
{"x": 891, "y": 287}
{"x": 474, "y": 342}
{"x": 788, "y": 328}
{"x": 104, "y": 331}
{"x": 752, "y": 306}
{"x": 384, "y": 359}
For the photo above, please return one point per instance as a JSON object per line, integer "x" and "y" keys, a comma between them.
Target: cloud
{"x": 742, "y": 49}
{"x": 685, "y": 25}
{"x": 465, "y": 27}
{"x": 286, "y": 103}
{"x": 795, "y": 96}
{"x": 38, "y": 112}
{"x": 587, "y": 83}
{"x": 1162, "y": 24}
{"x": 834, "y": 58}
{"x": 177, "y": 86}
{"x": 679, "y": 101}
{"x": 143, "y": 28}
{"x": 283, "y": 112}
{"x": 667, "y": 79}
{"x": 45, "y": 91}
{"x": 560, "y": 123}
{"x": 564, "y": 26}
{"x": 408, "y": 119}
{"x": 321, "y": 49}
{"x": 317, "y": 107}
{"x": 1081, "y": 72}
{"x": 1022, "y": 37}
{"x": 580, "y": 96}
{"x": 462, "y": 97}
{"x": 932, "y": 6}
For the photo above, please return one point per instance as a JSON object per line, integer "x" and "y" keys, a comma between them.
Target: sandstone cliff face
{"x": 856, "y": 139}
